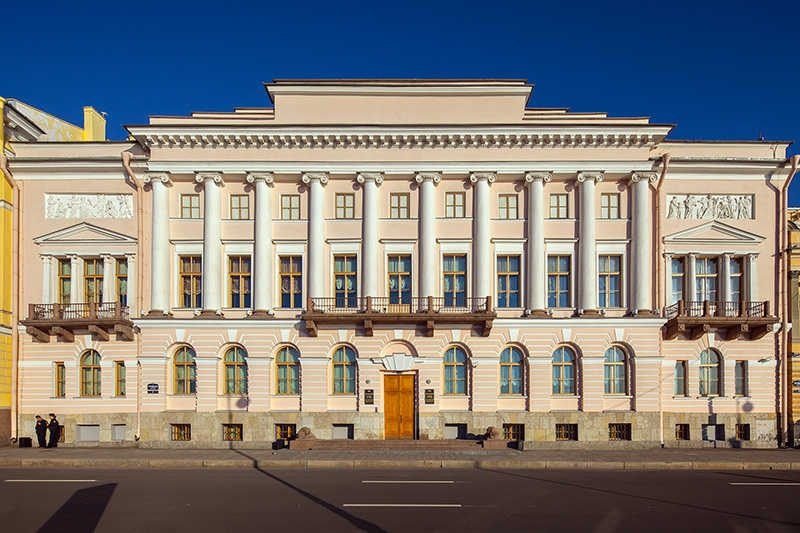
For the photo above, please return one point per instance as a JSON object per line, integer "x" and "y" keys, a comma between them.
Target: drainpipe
{"x": 16, "y": 223}
{"x": 126, "y": 163}
{"x": 659, "y": 254}
{"x": 783, "y": 281}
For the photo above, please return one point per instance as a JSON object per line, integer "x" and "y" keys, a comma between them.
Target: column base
{"x": 158, "y": 313}
{"x": 589, "y": 313}
{"x": 261, "y": 313}
{"x": 539, "y": 313}
{"x": 209, "y": 313}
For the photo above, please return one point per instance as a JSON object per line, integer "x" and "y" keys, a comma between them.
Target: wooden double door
{"x": 399, "y": 406}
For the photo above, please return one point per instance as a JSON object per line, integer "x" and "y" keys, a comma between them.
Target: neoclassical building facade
{"x": 403, "y": 259}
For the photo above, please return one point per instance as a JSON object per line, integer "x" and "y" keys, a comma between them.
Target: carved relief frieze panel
{"x": 87, "y": 206}
{"x": 710, "y": 206}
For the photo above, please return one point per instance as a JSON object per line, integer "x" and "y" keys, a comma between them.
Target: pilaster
{"x": 109, "y": 273}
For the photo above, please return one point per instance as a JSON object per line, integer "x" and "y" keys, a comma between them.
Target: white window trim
{"x": 619, "y": 248}
{"x": 283, "y": 249}
{"x": 180, "y": 249}
{"x": 562, "y": 247}
{"x": 510, "y": 247}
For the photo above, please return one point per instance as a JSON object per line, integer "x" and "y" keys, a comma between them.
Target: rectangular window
{"x": 93, "y": 280}
{"x": 119, "y": 378}
{"x": 239, "y": 272}
{"x": 231, "y": 431}
{"x": 345, "y": 270}
{"x": 345, "y": 203}
{"x": 60, "y": 384}
{"x": 558, "y": 205}
{"x": 508, "y": 206}
{"x": 455, "y": 280}
{"x": 191, "y": 281}
{"x": 619, "y": 432}
{"x": 454, "y": 204}
{"x": 514, "y": 431}
{"x": 742, "y": 431}
{"x": 558, "y": 281}
{"x": 290, "y": 207}
{"x": 609, "y": 205}
{"x": 508, "y": 281}
{"x": 399, "y": 282}
{"x": 291, "y": 282}
{"x": 609, "y": 282}
{"x": 741, "y": 378}
{"x": 736, "y": 279}
{"x": 680, "y": 378}
{"x": 181, "y": 431}
{"x": 240, "y": 207}
{"x": 285, "y": 431}
{"x": 190, "y": 206}
{"x": 64, "y": 283}
{"x": 681, "y": 431}
{"x": 706, "y": 277}
{"x": 566, "y": 431}
{"x": 398, "y": 205}
{"x": 677, "y": 279}
{"x": 122, "y": 281}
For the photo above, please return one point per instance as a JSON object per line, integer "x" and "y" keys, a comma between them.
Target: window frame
{"x": 707, "y": 369}
{"x": 232, "y": 432}
{"x": 675, "y": 276}
{"x": 504, "y": 295}
{"x": 64, "y": 280}
{"x": 93, "y": 283}
{"x": 702, "y": 279}
{"x": 559, "y": 206}
{"x": 741, "y": 378}
{"x": 120, "y": 377}
{"x": 345, "y": 297}
{"x": 509, "y": 366}
{"x": 239, "y": 209}
{"x": 611, "y": 384}
{"x": 504, "y": 212}
{"x": 238, "y": 363}
{"x": 399, "y": 208}
{"x": 736, "y": 279}
{"x": 245, "y": 296}
{"x": 455, "y": 296}
{"x": 195, "y": 293}
{"x": 59, "y": 380}
{"x": 190, "y": 203}
{"x": 181, "y": 432}
{"x": 608, "y": 274}
{"x": 295, "y": 297}
{"x": 559, "y": 383}
{"x": 454, "y": 380}
{"x": 189, "y": 371}
{"x": 119, "y": 278}
{"x": 91, "y": 387}
{"x": 344, "y": 359}
{"x": 398, "y": 295}
{"x": 292, "y": 384}
{"x": 611, "y": 210}
{"x": 681, "y": 389}
{"x": 558, "y": 275}
{"x": 292, "y": 210}
{"x": 346, "y": 211}
{"x": 455, "y": 203}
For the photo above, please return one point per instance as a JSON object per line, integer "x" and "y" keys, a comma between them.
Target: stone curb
{"x": 367, "y": 463}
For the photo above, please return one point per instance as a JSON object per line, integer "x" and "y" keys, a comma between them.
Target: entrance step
{"x": 389, "y": 444}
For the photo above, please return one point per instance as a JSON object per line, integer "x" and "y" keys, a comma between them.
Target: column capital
{"x": 636, "y": 177}
{"x": 692, "y": 256}
{"x": 727, "y": 255}
{"x": 267, "y": 178}
{"x": 202, "y": 177}
{"x": 583, "y": 177}
{"x": 479, "y": 176}
{"x": 669, "y": 255}
{"x": 321, "y": 177}
{"x": 130, "y": 258}
{"x": 107, "y": 257}
{"x": 545, "y": 177}
{"x": 377, "y": 177}
{"x": 431, "y": 176}
{"x": 163, "y": 177}
{"x": 46, "y": 257}
{"x": 752, "y": 256}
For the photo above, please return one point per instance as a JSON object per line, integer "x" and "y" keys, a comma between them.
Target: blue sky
{"x": 719, "y": 70}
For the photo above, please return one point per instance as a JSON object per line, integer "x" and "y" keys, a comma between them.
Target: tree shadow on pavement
{"x": 363, "y": 525}
{"x": 82, "y": 512}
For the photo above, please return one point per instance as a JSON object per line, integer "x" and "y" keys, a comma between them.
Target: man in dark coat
{"x": 41, "y": 431}
{"x": 53, "y": 427}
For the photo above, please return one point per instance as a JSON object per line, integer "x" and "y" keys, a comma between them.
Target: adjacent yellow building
{"x": 23, "y": 123}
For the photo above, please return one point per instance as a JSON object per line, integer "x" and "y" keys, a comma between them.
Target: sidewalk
{"x": 716, "y": 459}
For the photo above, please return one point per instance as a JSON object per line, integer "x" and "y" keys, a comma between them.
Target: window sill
{"x": 617, "y": 397}
{"x": 682, "y": 397}
{"x": 563, "y": 396}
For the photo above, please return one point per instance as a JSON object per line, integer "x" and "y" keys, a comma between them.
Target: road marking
{"x": 420, "y": 482}
{"x": 401, "y": 505}
{"x": 51, "y": 481}
{"x": 766, "y": 484}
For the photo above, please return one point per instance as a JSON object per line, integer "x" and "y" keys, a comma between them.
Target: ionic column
{"x": 691, "y": 278}
{"x": 668, "y": 282}
{"x": 133, "y": 303}
{"x": 370, "y": 253}
{"x": 75, "y": 280}
{"x": 725, "y": 272}
{"x": 587, "y": 249}
{"x": 641, "y": 244}
{"x": 428, "y": 263}
{"x": 159, "y": 234}
{"x": 482, "y": 236}
{"x": 109, "y": 294}
{"x": 47, "y": 278}
{"x": 262, "y": 256}
{"x": 316, "y": 234}
{"x": 537, "y": 257}
{"x": 752, "y": 278}
{"x": 212, "y": 243}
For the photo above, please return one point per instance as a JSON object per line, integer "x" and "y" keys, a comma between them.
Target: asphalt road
{"x": 119, "y": 500}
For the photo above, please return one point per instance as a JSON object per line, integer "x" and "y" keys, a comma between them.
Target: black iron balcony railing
{"x": 697, "y": 317}
{"x": 64, "y": 320}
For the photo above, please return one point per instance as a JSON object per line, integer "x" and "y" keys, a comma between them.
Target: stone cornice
{"x": 586, "y": 176}
{"x": 269, "y": 179}
{"x": 206, "y": 176}
{"x": 530, "y": 177}
{"x": 160, "y": 176}
{"x": 422, "y": 176}
{"x": 374, "y": 176}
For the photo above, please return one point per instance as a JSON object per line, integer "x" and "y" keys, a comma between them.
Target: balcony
{"x": 63, "y": 321}
{"x": 427, "y": 311}
{"x": 694, "y": 319}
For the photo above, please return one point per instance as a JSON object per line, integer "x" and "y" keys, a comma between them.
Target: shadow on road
{"x": 363, "y": 525}
{"x": 82, "y": 511}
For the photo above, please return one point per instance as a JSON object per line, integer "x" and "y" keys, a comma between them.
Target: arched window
{"x": 511, "y": 371}
{"x": 184, "y": 371}
{"x": 235, "y": 371}
{"x": 344, "y": 371}
{"x": 615, "y": 371}
{"x": 288, "y": 364}
{"x": 709, "y": 373}
{"x": 455, "y": 371}
{"x": 564, "y": 371}
{"x": 90, "y": 374}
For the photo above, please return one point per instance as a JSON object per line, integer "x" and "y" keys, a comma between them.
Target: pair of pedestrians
{"x": 41, "y": 431}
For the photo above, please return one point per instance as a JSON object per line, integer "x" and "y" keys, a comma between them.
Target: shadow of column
{"x": 82, "y": 511}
